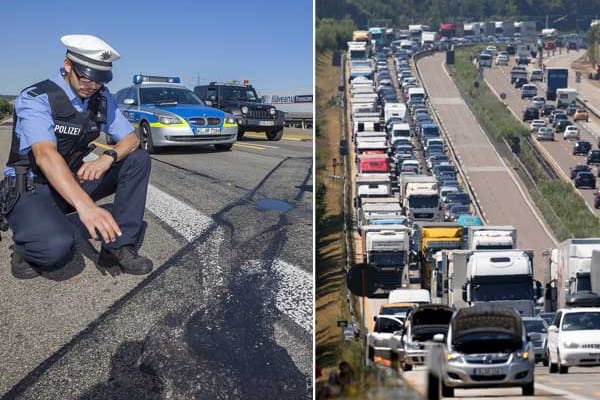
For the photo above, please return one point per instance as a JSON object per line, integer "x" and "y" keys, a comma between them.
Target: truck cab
{"x": 242, "y": 101}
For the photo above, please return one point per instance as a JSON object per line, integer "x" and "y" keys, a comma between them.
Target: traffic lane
{"x": 498, "y": 193}
{"x": 45, "y": 332}
{"x": 579, "y": 385}
{"x": 560, "y": 151}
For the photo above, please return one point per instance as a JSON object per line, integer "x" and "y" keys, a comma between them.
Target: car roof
{"x": 579, "y": 309}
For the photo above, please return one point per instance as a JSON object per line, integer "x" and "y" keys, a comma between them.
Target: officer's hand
{"x": 97, "y": 219}
{"x": 93, "y": 170}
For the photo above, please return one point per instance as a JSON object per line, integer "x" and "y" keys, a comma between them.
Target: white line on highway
{"x": 294, "y": 295}
{"x": 566, "y": 393}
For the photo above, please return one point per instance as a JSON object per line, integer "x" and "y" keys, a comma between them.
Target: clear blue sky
{"x": 267, "y": 42}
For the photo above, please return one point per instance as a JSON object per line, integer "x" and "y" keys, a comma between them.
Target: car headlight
{"x": 230, "y": 120}
{"x": 570, "y": 345}
{"x": 244, "y": 110}
{"x": 169, "y": 120}
{"x": 452, "y": 357}
{"x": 412, "y": 345}
{"x": 523, "y": 355}
{"x": 272, "y": 111}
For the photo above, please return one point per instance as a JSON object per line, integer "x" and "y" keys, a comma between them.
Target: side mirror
{"x": 552, "y": 328}
{"x": 438, "y": 338}
{"x": 208, "y": 103}
{"x": 129, "y": 102}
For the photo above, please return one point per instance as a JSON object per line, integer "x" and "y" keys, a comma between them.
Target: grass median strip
{"x": 562, "y": 207}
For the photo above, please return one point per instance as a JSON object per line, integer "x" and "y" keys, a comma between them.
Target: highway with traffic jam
{"x": 464, "y": 288}
{"x": 226, "y": 312}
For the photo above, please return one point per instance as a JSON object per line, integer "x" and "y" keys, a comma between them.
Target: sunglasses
{"x": 83, "y": 79}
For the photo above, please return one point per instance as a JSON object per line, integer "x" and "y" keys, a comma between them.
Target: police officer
{"x": 54, "y": 122}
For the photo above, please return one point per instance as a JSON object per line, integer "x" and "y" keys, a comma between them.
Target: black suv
{"x": 585, "y": 178}
{"x": 246, "y": 107}
{"x": 582, "y": 148}
{"x": 579, "y": 168}
{"x": 531, "y": 113}
{"x": 593, "y": 157}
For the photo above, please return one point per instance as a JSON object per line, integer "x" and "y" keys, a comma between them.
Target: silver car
{"x": 537, "y": 332}
{"x": 486, "y": 346}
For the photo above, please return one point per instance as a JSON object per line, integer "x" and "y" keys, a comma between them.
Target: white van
{"x": 528, "y": 91}
{"x": 485, "y": 60}
{"x": 400, "y": 131}
{"x": 409, "y": 296}
{"x": 394, "y": 110}
{"x": 565, "y": 96}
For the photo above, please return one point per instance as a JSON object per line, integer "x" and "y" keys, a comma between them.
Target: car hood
{"x": 187, "y": 111}
{"x": 581, "y": 337}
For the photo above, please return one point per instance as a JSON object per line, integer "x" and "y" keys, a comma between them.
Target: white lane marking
{"x": 562, "y": 392}
{"x": 294, "y": 295}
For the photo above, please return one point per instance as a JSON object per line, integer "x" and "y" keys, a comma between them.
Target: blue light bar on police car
{"x": 148, "y": 78}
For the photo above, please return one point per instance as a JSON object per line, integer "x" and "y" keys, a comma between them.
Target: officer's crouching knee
{"x": 140, "y": 158}
{"x": 58, "y": 251}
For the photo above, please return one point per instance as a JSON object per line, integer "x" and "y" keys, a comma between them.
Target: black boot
{"x": 21, "y": 269}
{"x": 125, "y": 258}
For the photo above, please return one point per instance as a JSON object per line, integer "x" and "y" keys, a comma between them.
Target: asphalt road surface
{"x": 226, "y": 313}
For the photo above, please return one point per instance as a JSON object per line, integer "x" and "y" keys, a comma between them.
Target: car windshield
{"x": 168, "y": 96}
{"x": 242, "y": 93}
{"x": 535, "y": 325}
{"x": 581, "y": 321}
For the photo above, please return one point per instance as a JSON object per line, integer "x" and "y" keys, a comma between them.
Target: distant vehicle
{"x": 531, "y": 113}
{"x": 537, "y": 331}
{"x": 582, "y": 147}
{"x": 571, "y": 132}
{"x": 501, "y": 59}
{"x": 538, "y": 101}
{"x": 485, "y": 60}
{"x": 579, "y": 168}
{"x": 563, "y": 124}
{"x": 456, "y": 210}
{"x": 548, "y": 317}
{"x": 545, "y": 133}
{"x": 536, "y": 75}
{"x": 519, "y": 82}
{"x": 510, "y": 49}
{"x": 593, "y": 157}
{"x": 549, "y": 46}
{"x": 573, "y": 339}
{"x": 597, "y": 199}
{"x": 547, "y": 109}
{"x": 528, "y": 90}
{"x": 522, "y": 60}
{"x": 537, "y": 124}
{"x": 581, "y": 114}
{"x": 585, "y": 178}
{"x": 554, "y": 113}
{"x": 458, "y": 198}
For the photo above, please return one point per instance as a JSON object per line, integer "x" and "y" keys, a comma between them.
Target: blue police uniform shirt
{"x": 35, "y": 123}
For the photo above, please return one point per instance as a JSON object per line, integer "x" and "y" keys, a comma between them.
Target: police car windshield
{"x": 239, "y": 93}
{"x": 168, "y": 96}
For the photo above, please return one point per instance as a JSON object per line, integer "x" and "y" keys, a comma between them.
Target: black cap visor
{"x": 92, "y": 74}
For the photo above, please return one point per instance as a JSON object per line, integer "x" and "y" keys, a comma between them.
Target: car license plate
{"x": 488, "y": 371}
{"x": 266, "y": 123}
{"x": 208, "y": 131}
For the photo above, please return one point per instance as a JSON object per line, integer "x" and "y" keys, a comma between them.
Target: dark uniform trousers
{"x": 43, "y": 235}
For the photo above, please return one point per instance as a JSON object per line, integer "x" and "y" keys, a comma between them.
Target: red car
{"x": 549, "y": 46}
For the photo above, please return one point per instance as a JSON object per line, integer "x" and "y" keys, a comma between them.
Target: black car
{"x": 520, "y": 82}
{"x": 557, "y": 118}
{"x": 246, "y": 106}
{"x": 593, "y": 157}
{"x": 510, "y": 49}
{"x": 531, "y": 113}
{"x": 547, "y": 109}
{"x": 582, "y": 147}
{"x": 579, "y": 168}
{"x": 553, "y": 115}
{"x": 522, "y": 60}
{"x": 585, "y": 178}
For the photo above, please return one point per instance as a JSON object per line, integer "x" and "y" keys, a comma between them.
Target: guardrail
{"x": 461, "y": 172}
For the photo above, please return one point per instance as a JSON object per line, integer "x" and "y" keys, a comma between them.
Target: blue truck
{"x": 556, "y": 78}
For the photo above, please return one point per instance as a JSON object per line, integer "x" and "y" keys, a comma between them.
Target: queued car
{"x": 581, "y": 114}
{"x": 531, "y": 113}
{"x": 597, "y": 199}
{"x": 455, "y": 210}
{"x": 574, "y": 339}
{"x": 571, "y": 132}
{"x": 536, "y": 75}
{"x": 554, "y": 113}
{"x": 379, "y": 341}
{"x": 519, "y": 82}
{"x": 545, "y": 133}
{"x": 547, "y": 316}
{"x": 537, "y": 331}
{"x": 536, "y": 124}
{"x": 547, "y": 109}
{"x": 563, "y": 124}
{"x": 582, "y": 148}
{"x": 579, "y": 168}
{"x": 501, "y": 59}
{"x": 538, "y": 101}
{"x": 486, "y": 346}
{"x": 585, "y": 179}
{"x": 593, "y": 157}
{"x": 166, "y": 113}
{"x": 571, "y": 108}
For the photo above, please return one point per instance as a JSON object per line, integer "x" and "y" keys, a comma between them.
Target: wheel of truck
{"x": 433, "y": 387}
{"x": 529, "y": 389}
{"x": 406, "y": 367}
{"x": 224, "y": 146}
{"x": 240, "y": 134}
{"x": 275, "y": 135}
{"x": 146, "y": 142}
{"x": 447, "y": 391}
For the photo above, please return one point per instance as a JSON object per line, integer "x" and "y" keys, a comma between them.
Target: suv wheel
{"x": 529, "y": 389}
{"x": 275, "y": 135}
{"x": 447, "y": 391}
{"x": 240, "y": 134}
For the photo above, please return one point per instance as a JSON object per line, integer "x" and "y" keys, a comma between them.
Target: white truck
{"x": 570, "y": 270}
{"x": 565, "y": 96}
{"x": 387, "y": 249}
{"x": 395, "y": 110}
{"x": 420, "y": 197}
{"x": 381, "y": 213}
{"x": 488, "y": 237}
{"x": 502, "y": 277}
{"x": 398, "y": 131}
{"x": 373, "y": 185}
{"x": 428, "y": 39}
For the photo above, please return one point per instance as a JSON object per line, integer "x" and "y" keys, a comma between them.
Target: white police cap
{"x": 91, "y": 56}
